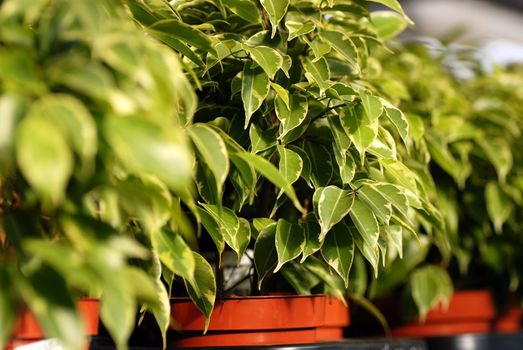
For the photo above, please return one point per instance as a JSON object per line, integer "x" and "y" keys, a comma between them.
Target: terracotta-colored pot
{"x": 255, "y": 320}
{"x": 28, "y": 331}
{"x": 468, "y": 312}
{"x": 336, "y": 318}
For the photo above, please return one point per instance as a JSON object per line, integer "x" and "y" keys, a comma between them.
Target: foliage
{"x": 299, "y": 156}
{"x": 92, "y": 151}
{"x": 471, "y": 137}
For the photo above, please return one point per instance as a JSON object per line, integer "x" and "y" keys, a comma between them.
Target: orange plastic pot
{"x": 27, "y": 329}
{"x": 336, "y": 318}
{"x": 468, "y": 312}
{"x": 255, "y": 320}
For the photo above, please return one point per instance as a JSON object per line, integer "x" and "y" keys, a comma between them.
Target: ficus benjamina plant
{"x": 469, "y": 122}
{"x": 138, "y": 135}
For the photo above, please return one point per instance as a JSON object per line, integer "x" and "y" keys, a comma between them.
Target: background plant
{"x": 472, "y": 131}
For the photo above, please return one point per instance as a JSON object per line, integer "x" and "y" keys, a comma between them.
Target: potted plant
{"x": 471, "y": 135}
{"x": 92, "y": 118}
{"x": 296, "y": 153}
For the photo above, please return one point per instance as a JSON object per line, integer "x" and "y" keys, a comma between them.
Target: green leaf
{"x": 297, "y": 29}
{"x": 291, "y": 116}
{"x": 213, "y": 151}
{"x": 388, "y": 24}
{"x": 499, "y": 205}
{"x": 344, "y": 46}
{"x": 143, "y": 146}
{"x": 290, "y": 164}
{"x": 269, "y": 171}
{"x": 212, "y": 228}
{"x": 317, "y": 71}
{"x": 268, "y": 58}
{"x": 265, "y": 255}
{"x": 321, "y": 163}
{"x": 205, "y": 282}
{"x": 360, "y": 128}
{"x": 174, "y": 253}
{"x": 318, "y": 47}
{"x": 229, "y": 226}
{"x": 332, "y": 206}
{"x": 261, "y": 140}
{"x": 289, "y": 242}
{"x": 430, "y": 285}
{"x": 246, "y": 9}
{"x": 371, "y": 253}
{"x": 283, "y": 94}
{"x": 393, "y": 195}
{"x": 276, "y": 10}
{"x": 311, "y": 231}
{"x": 365, "y": 221}
{"x": 346, "y": 164}
{"x": 395, "y": 5}
{"x": 44, "y": 157}
{"x": 255, "y": 87}
{"x": 375, "y": 200}
{"x": 371, "y": 104}
{"x": 307, "y": 166}
{"x": 338, "y": 251}
{"x": 185, "y": 33}
{"x": 398, "y": 119}
{"x": 404, "y": 177}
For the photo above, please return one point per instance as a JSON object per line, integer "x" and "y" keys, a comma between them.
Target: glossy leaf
{"x": 365, "y": 221}
{"x": 213, "y": 151}
{"x": 332, "y": 206}
{"x": 255, "y": 87}
{"x": 290, "y": 165}
{"x": 338, "y": 251}
{"x": 360, "y": 128}
{"x": 174, "y": 253}
{"x": 388, "y": 24}
{"x": 246, "y": 9}
{"x": 311, "y": 231}
{"x": 291, "y": 116}
{"x": 297, "y": 29}
{"x": 317, "y": 71}
{"x": 289, "y": 242}
{"x": 265, "y": 255}
{"x": 343, "y": 45}
{"x": 276, "y": 10}
{"x": 229, "y": 226}
{"x": 268, "y": 58}
{"x": 203, "y": 290}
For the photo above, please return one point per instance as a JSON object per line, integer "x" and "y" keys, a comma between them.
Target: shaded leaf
{"x": 289, "y": 242}
{"x": 338, "y": 251}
